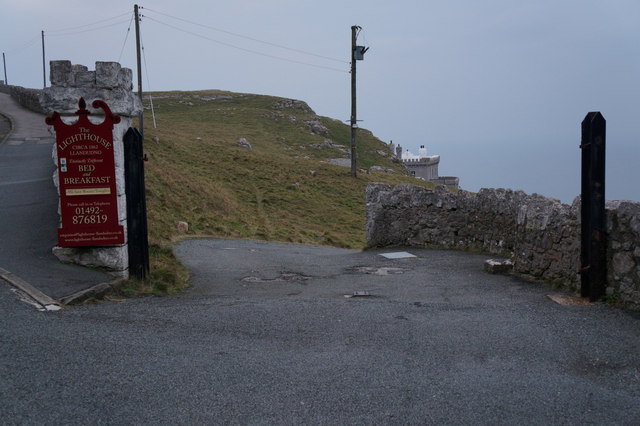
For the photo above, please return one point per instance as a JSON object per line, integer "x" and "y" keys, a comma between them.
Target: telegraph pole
{"x": 44, "y": 67}
{"x": 357, "y": 54}
{"x": 4, "y": 63}
{"x": 354, "y": 123}
{"x": 141, "y": 116}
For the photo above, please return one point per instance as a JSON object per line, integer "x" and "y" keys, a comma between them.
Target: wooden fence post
{"x": 593, "y": 250}
{"x": 136, "y": 205}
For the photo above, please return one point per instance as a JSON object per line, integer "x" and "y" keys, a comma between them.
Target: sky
{"x": 497, "y": 88}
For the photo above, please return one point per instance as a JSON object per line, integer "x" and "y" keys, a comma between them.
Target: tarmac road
{"x": 5, "y": 127}
{"x": 267, "y": 336}
{"x": 29, "y": 208}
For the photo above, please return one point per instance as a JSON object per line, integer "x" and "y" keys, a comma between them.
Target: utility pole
{"x": 4, "y": 63}
{"x": 357, "y": 54}
{"x": 44, "y": 67}
{"x": 141, "y": 116}
{"x": 354, "y": 123}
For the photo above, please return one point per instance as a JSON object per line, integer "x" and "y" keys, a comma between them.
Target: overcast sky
{"x": 497, "y": 88}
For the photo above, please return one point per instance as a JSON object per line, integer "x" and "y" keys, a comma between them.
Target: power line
{"x": 250, "y": 38}
{"x": 88, "y": 25}
{"x": 29, "y": 43}
{"x": 85, "y": 31}
{"x": 146, "y": 70}
{"x": 144, "y": 59}
{"x": 243, "y": 49}
{"x": 125, "y": 38}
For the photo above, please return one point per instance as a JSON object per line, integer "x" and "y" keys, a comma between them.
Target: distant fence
{"x": 541, "y": 234}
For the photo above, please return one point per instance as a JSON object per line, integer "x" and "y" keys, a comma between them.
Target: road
{"x": 29, "y": 205}
{"x": 266, "y": 336}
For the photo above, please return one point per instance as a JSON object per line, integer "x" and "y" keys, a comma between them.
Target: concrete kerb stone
{"x": 27, "y": 288}
{"x": 98, "y": 291}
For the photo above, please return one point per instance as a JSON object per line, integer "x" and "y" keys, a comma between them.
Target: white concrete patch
{"x": 52, "y": 308}
{"x": 398, "y": 255}
{"x": 379, "y": 271}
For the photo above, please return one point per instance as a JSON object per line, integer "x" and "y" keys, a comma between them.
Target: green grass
{"x": 197, "y": 173}
{"x": 284, "y": 189}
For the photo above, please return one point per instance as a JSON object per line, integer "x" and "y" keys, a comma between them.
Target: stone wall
{"x": 28, "y": 98}
{"x": 541, "y": 235}
{"x": 113, "y": 85}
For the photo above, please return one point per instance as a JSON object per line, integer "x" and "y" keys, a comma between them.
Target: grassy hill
{"x": 284, "y": 188}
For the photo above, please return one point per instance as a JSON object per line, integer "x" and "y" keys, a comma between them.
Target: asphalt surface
{"x": 5, "y": 127}
{"x": 29, "y": 208}
{"x": 289, "y": 334}
{"x": 267, "y": 336}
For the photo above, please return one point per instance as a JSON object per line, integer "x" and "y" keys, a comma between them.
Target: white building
{"x": 426, "y": 167}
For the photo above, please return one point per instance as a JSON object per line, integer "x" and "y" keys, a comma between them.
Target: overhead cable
{"x": 243, "y": 49}
{"x": 64, "y": 30}
{"x": 22, "y": 47}
{"x": 250, "y": 38}
{"x": 126, "y": 37}
{"x": 84, "y": 31}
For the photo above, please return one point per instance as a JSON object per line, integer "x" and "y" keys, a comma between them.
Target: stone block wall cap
{"x": 65, "y": 100}
{"x": 107, "y": 75}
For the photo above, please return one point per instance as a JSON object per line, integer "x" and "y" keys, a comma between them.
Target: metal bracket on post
{"x": 593, "y": 250}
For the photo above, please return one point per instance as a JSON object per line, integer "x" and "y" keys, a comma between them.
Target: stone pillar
{"x": 112, "y": 84}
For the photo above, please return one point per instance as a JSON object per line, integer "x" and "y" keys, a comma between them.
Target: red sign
{"x": 86, "y": 171}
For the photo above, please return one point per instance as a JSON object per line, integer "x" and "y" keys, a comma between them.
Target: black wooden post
{"x": 136, "y": 205}
{"x": 593, "y": 251}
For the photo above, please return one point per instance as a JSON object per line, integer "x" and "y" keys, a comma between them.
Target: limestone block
{"x": 242, "y": 142}
{"x": 622, "y": 263}
{"x": 60, "y": 73}
{"x": 84, "y": 79}
{"x": 78, "y": 68}
{"x": 65, "y": 100}
{"x": 107, "y": 74}
{"x": 122, "y": 207}
{"x": 114, "y": 259}
{"x": 125, "y": 225}
{"x": 125, "y": 79}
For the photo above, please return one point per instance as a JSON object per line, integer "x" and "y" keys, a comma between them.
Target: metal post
{"x": 44, "y": 68}
{"x": 141, "y": 116}
{"x": 354, "y": 122}
{"x": 593, "y": 250}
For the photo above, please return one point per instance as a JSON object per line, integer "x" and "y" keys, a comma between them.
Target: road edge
{"x": 12, "y": 126}
{"x": 27, "y": 288}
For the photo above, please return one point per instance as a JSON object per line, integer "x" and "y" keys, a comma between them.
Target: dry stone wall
{"x": 541, "y": 235}
{"x": 28, "y": 98}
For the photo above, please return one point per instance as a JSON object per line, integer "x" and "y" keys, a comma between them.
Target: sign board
{"x": 86, "y": 172}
